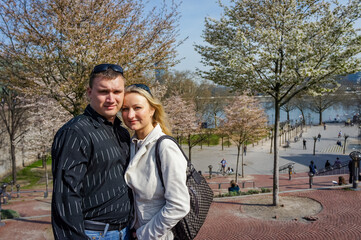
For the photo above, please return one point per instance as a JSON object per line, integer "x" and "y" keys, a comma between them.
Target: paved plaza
{"x": 340, "y": 217}
{"x": 259, "y": 160}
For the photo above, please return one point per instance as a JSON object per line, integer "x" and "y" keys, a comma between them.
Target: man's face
{"x": 106, "y": 96}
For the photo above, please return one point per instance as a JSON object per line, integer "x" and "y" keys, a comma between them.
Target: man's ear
{"x": 88, "y": 91}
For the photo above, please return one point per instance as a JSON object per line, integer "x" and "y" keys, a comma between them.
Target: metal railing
{"x": 342, "y": 168}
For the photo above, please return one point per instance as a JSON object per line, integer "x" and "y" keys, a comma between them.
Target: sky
{"x": 191, "y": 25}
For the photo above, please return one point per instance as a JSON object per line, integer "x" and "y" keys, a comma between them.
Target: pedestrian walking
{"x": 304, "y": 144}
{"x": 324, "y": 126}
{"x": 313, "y": 168}
{"x": 319, "y": 136}
{"x": 245, "y": 150}
{"x": 224, "y": 164}
{"x": 339, "y": 134}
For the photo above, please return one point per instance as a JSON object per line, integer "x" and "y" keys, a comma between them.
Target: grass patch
{"x": 9, "y": 214}
{"x": 30, "y": 175}
{"x": 212, "y": 139}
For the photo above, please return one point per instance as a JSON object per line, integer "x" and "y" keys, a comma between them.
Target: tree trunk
{"x": 222, "y": 142}
{"x": 320, "y": 118}
{"x": 314, "y": 146}
{"x": 288, "y": 116}
{"x": 13, "y": 157}
{"x": 238, "y": 152}
{"x": 189, "y": 148}
{"x": 276, "y": 149}
{"x": 215, "y": 120}
{"x": 270, "y": 151}
{"x": 242, "y": 161}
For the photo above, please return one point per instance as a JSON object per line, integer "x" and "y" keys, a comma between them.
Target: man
{"x": 224, "y": 164}
{"x": 337, "y": 163}
{"x": 313, "y": 168}
{"x": 90, "y": 154}
{"x": 304, "y": 144}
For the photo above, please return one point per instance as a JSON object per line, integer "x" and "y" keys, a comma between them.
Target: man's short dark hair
{"x": 106, "y": 71}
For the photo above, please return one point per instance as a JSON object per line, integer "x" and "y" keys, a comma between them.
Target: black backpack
{"x": 201, "y": 197}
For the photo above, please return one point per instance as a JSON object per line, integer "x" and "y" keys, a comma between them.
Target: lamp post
{"x": 210, "y": 171}
{"x": 3, "y": 189}
{"x": 18, "y": 190}
{"x": 46, "y": 176}
{"x": 314, "y": 145}
{"x": 344, "y": 144}
{"x": 310, "y": 174}
{"x": 1, "y": 223}
{"x": 356, "y": 157}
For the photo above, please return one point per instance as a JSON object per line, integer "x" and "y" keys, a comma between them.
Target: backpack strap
{"x": 157, "y": 155}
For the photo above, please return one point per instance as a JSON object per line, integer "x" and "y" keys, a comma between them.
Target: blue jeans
{"x": 109, "y": 235}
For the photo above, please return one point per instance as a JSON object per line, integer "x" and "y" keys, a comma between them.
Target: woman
{"x": 157, "y": 209}
{"x": 234, "y": 187}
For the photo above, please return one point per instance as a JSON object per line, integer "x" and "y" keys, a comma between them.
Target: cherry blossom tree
{"x": 183, "y": 120}
{"x": 57, "y": 43}
{"x": 245, "y": 122}
{"x": 281, "y": 49}
{"x": 13, "y": 115}
{"x": 30, "y": 123}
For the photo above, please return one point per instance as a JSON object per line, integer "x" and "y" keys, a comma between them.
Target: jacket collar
{"x": 97, "y": 119}
{"x": 151, "y": 137}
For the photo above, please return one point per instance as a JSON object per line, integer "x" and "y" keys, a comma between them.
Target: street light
{"x": 1, "y": 223}
{"x": 314, "y": 145}
{"x": 344, "y": 144}
{"x": 356, "y": 157}
{"x": 310, "y": 175}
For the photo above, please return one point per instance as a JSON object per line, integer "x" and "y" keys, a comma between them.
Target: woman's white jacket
{"x": 157, "y": 209}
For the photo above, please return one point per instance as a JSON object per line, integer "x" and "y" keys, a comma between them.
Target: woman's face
{"x": 137, "y": 114}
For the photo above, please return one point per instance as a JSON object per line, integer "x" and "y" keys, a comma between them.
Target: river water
{"x": 339, "y": 113}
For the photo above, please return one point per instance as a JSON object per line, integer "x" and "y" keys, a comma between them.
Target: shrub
{"x": 9, "y": 214}
{"x": 253, "y": 191}
{"x": 265, "y": 190}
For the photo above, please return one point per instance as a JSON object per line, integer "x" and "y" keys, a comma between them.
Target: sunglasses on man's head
{"x": 142, "y": 86}
{"x": 104, "y": 67}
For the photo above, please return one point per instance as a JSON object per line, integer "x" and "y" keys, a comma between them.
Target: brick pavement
{"x": 340, "y": 217}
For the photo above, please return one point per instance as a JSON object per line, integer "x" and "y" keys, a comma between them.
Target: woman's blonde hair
{"x": 159, "y": 115}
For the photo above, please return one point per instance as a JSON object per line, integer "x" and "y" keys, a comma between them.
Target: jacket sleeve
{"x": 69, "y": 168}
{"x": 177, "y": 200}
